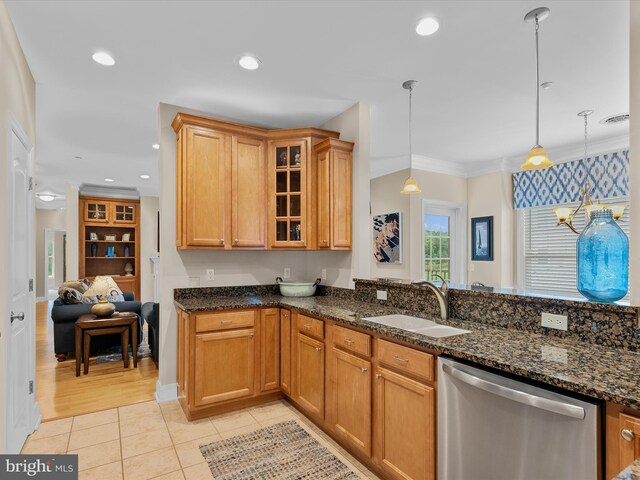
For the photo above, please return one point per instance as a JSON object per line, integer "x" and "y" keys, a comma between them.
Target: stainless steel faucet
{"x": 442, "y": 293}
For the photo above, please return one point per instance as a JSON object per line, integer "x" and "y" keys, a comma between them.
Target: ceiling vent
{"x": 615, "y": 119}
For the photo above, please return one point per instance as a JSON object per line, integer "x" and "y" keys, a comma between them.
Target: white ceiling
{"x": 474, "y": 103}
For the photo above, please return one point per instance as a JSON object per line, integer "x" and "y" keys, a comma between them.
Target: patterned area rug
{"x": 114, "y": 354}
{"x": 283, "y": 451}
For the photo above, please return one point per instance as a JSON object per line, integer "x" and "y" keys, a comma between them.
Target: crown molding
{"x": 88, "y": 190}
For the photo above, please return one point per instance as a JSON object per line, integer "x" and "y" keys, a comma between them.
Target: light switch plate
{"x": 551, "y": 320}
{"x": 381, "y": 294}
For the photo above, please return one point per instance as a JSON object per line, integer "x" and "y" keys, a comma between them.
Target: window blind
{"x": 550, "y": 249}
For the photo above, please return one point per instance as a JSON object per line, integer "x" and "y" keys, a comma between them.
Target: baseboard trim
{"x": 166, "y": 393}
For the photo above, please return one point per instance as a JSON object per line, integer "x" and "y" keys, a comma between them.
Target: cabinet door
{"x": 224, "y": 366}
{"x": 205, "y": 194}
{"x": 288, "y": 216}
{"x": 310, "y": 375}
{"x": 349, "y": 397}
{"x": 269, "y": 349}
{"x": 96, "y": 211}
{"x": 248, "y": 192}
{"x": 124, "y": 213}
{"x": 341, "y": 187}
{"x": 324, "y": 202}
{"x": 629, "y": 439}
{"x": 404, "y": 426}
{"x": 285, "y": 351}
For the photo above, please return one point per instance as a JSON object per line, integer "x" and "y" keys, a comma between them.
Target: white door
{"x": 21, "y": 406}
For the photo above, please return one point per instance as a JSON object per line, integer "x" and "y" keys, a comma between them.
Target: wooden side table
{"x": 87, "y": 326}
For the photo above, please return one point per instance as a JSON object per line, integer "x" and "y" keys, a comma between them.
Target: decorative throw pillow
{"x": 81, "y": 285}
{"x": 74, "y": 297}
{"x": 115, "y": 298}
{"x": 104, "y": 285}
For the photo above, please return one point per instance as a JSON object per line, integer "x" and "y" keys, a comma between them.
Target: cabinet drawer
{"x": 223, "y": 321}
{"x": 351, "y": 340}
{"x": 311, "y": 326}
{"x": 405, "y": 359}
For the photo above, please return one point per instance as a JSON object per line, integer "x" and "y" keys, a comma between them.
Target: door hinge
{"x": 30, "y": 387}
{"x": 30, "y": 183}
{"x": 31, "y": 284}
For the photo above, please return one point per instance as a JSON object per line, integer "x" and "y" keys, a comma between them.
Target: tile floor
{"x": 147, "y": 441}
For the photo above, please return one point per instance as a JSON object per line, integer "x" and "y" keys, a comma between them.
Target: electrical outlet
{"x": 210, "y": 274}
{"x": 287, "y": 273}
{"x": 323, "y": 275}
{"x": 551, "y": 320}
{"x": 381, "y": 294}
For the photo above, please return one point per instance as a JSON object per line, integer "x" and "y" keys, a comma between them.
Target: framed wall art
{"x": 387, "y": 238}
{"x": 482, "y": 239}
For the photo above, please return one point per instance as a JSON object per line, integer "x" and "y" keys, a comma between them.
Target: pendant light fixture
{"x": 537, "y": 158}
{"x": 566, "y": 215}
{"x": 410, "y": 185}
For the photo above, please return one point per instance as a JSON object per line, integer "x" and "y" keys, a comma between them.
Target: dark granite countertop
{"x": 605, "y": 373}
{"x": 632, "y": 472}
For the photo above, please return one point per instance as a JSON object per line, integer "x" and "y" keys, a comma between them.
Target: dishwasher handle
{"x": 561, "y": 408}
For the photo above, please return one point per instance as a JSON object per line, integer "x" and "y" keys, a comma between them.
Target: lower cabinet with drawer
{"x": 227, "y": 360}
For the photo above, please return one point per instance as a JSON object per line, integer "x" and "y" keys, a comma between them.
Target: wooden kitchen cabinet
{"x": 124, "y": 212}
{"x": 269, "y": 349}
{"x": 348, "y": 409}
{"x": 404, "y": 426}
{"x": 96, "y": 211}
{"x": 309, "y": 376}
{"x": 224, "y": 366}
{"x": 334, "y": 194}
{"x": 622, "y": 438}
{"x": 285, "y": 351}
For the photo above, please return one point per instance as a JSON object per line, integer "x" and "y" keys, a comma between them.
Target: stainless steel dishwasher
{"x": 491, "y": 427}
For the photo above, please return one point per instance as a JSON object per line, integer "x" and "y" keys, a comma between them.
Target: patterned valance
{"x": 608, "y": 177}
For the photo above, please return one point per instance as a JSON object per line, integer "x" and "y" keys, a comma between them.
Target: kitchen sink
{"x": 422, "y": 326}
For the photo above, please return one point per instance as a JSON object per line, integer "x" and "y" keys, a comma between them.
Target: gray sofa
{"x": 64, "y": 318}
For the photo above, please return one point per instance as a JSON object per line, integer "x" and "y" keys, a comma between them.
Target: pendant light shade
{"x": 537, "y": 159}
{"x": 410, "y": 185}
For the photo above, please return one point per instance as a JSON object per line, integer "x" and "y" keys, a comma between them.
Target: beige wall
{"x": 72, "y": 214}
{"x": 53, "y": 220}
{"x": 492, "y": 195}
{"x": 634, "y": 155}
{"x": 149, "y": 207}
{"x": 386, "y": 198}
{"x": 182, "y": 268}
{"x": 17, "y": 97}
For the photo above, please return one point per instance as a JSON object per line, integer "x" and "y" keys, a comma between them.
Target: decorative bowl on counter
{"x": 297, "y": 289}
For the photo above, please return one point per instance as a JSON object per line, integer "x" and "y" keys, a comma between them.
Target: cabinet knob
{"x": 251, "y": 335}
{"x": 318, "y": 349}
{"x": 348, "y": 341}
{"x": 222, "y": 241}
{"x": 325, "y": 241}
{"x": 378, "y": 376}
{"x": 307, "y": 326}
{"x": 627, "y": 435}
{"x": 236, "y": 241}
{"x": 364, "y": 370}
{"x": 400, "y": 359}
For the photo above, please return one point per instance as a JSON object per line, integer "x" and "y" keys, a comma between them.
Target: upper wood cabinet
{"x": 334, "y": 194}
{"x": 124, "y": 212}
{"x": 248, "y": 188}
{"x": 97, "y": 211}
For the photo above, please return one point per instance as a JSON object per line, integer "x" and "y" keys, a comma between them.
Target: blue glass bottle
{"x": 603, "y": 259}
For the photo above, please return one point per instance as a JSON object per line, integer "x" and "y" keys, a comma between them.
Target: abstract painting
{"x": 482, "y": 239}
{"x": 387, "y": 239}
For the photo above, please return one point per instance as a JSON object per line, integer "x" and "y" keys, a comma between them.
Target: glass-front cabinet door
{"x": 124, "y": 213}
{"x": 96, "y": 211}
{"x": 288, "y": 167}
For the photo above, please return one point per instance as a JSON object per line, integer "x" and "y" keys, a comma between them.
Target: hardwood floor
{"x": 61, "y": 394}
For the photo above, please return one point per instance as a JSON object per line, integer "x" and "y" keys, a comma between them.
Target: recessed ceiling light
{"x": 46, "y": 197}
{"x": 110, "y": 180}
{"x": 249, "y": 62}
{"x": 144, "y": 176}
{"x": 103, "y": 58}
{"x": 156, "y": 146}
{"x": 427, "y": 26}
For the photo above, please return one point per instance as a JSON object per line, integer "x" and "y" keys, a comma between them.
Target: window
{"x": 550, "y": 249}
{"x": 437, "y": 246}
{"x": 50, "y": 258}
{"x": 444, "y": 227}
